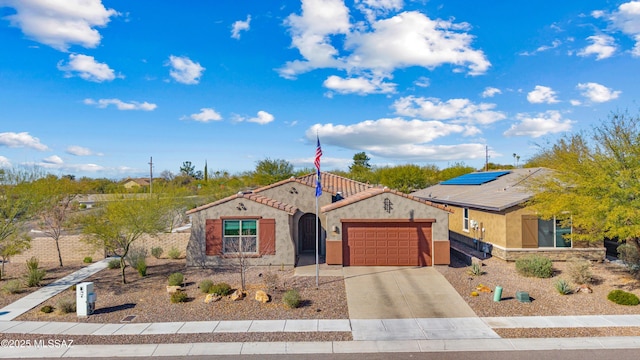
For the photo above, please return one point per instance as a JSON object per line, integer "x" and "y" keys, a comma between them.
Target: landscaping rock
{"x": 584, "y": 288}
{"x": 238, "y": 295}
{"x": 262, "y": 296}
{"x": 172, "y": 289}
{"x": 212, "y": 298}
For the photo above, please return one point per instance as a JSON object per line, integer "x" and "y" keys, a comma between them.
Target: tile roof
{"x": 371, "y": 192}
{"x": 504, "y": 192}
{"x": 332, "y": 183}
{"x": 290, "y": 209}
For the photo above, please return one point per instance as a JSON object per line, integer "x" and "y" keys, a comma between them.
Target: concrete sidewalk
{"x": 37, "y": 297}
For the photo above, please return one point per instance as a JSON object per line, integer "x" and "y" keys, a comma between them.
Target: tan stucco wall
{"x": 285, "y": 246}
{"x": 494, "y": 224}
{"x": 402, "y": 208}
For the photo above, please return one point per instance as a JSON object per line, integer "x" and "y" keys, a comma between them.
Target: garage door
{"x": 386, "y": 244}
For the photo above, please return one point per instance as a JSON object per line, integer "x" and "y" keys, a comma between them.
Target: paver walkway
{"x": 37, "y": 297}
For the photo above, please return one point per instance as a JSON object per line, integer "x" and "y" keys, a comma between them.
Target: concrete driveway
{"x": 387, "y": 292}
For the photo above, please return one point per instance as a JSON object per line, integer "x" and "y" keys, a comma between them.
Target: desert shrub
{"x": 562, "y": 286}
{"x": 35, "y": 275}
{"x": 174, "y": 253}
{"x": 622, "y": 297}
{"x": 580, "y": 271}
{"x": 66, "y": 305}
{"x": 179, "y": 297}
{"x": 47, "y": 309}
{"x": 12, "y": 287}
{"x": 113, "y": 264}
{"x": 475, "y": 270}
{"x": 135, "y": 255}
{"x": 176, "y": 279}
{"x": 141, "y": 267}
{"x": 291, "y": 299}
{"x": 156, "y": 252}
{"x": 535, "y": 266}
{"x": 630, "y": 257}
{"x": 205, "y": 286}
{"x": 87, "y": 260}
{"x": 221, "y": 289}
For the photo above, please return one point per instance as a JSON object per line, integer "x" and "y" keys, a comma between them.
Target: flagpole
{"x": 317, "y": 241}
{"x": 316, "y": 162}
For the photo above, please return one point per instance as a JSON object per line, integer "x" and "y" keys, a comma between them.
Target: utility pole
{"x": 151, "y": 175}
{"x": 486, "y": 158}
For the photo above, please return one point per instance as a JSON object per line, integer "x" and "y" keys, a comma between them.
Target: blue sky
{"x": 95, "y": 88}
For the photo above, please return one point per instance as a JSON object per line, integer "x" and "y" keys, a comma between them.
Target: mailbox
{"x": 85, "y": 299}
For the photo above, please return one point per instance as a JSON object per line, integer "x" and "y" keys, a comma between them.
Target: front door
{"x": 307, "y": 233}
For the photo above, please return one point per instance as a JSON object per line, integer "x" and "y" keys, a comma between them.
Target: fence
{"x": 73, "y": 249}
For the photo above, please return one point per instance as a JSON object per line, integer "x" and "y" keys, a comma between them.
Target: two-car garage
{"x": 386, "y": 243}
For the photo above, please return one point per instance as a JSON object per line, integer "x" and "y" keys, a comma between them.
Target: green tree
{"x": 117, "y": 224}
{"x": 17, "y": 207}
{"x": 57, "y": 197}
{"x": 404, "y": 178}
{"x": 455, "y": 170}
{"x": 188, "y": 169}
{"x": 270, "y": 171}
{"x": 360, "y": 170}
{"x": 596, "y": 181}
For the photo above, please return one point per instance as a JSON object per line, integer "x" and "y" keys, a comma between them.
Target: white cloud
{"x": 625, "y": 19}
{"x": 80, "y": 151}
{"x": 550, "y": 122}
{"x": 60, "y": 23}
{"x": 455, "y": 110}
{"x": 4, "y": 162}
{"x": 21, "y": 140}
{"x": 121, "y": 105}
{"x": 310, "y": 35}
{"x": 422, "y": 81}
{"x": 543, "y": 48}
{"x": 239, "y": 26}
{"x": 53, "y": 160}
{"x": 575, "y": 102}
{"x": 598, "y": 93}
{"x": 205, "y": 115}
{"x": 413, "y": 39}
{"x": 374, "y": 8}
{"x": 603, "y": 46}
{"x": 184, "y": 70}
{"x": 404, "y": 40}
{"x": 490, "y": 92}
{"x": 542, "y": 94}
{"x": 263, "y": 118}
{"x": 359, "y": 85}
{"x": 87, "y": 68}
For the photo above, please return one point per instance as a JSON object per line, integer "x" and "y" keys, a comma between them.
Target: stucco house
{"x": 358, "y": 225}
{"x": 490, "y": 215}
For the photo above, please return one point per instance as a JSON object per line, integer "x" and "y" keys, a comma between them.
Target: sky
{"x": 99, "y": 88}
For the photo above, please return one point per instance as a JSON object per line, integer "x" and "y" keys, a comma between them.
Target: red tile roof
{"x": 371, "y": 192}
{"x": 332, "y": 183}
{"x": 290, "y": 209}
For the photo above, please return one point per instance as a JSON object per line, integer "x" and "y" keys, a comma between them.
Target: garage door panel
{"x": 390, "y": 244}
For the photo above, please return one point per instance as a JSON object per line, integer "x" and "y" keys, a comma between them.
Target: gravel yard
{"x": 147, "y": 299}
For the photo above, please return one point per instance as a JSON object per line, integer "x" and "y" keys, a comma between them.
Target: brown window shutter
{"x": 267, "y": 236}
{"x": 529, "y": 231}
{"x": 213, "y": 234}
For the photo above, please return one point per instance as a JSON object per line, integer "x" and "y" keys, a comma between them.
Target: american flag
{"x": 316, "y": 162}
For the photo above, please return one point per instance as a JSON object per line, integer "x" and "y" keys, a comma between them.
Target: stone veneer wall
{"x": 73, "y": 249}
{"x": 555, "y": 254}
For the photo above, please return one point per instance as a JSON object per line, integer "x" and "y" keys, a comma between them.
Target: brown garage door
{"x": 386, "y": 243}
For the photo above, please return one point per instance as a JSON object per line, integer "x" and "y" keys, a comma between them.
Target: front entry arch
{"x": 307, "y": 233}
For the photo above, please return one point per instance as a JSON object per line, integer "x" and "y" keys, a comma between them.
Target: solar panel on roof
{"x": 475, "y": 178}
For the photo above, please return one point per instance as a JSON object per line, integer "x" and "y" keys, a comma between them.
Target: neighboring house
{"x": 135, "y": 183}
{"x": 490, "y": 214}
{"x": 359, "y": 225}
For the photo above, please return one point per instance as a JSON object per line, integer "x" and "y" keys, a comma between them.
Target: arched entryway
{"x": 307, "y": 233}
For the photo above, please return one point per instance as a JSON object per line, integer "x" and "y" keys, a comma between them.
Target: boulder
{"x": 262, "y": 296}
{"x": 212, "y": 298}
{"x": 172, "y": 289}
{"x": 584, "y": 288}
{"x": 237, "y": 295}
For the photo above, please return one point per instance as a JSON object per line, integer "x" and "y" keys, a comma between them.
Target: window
{"x": 240, "y": 236}
{"x": 551, "y": 233}
{"x": 465, "y": 219}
